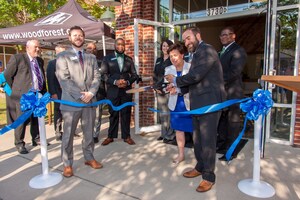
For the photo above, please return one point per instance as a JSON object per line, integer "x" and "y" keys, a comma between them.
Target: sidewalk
{"x": 142, "y": 171}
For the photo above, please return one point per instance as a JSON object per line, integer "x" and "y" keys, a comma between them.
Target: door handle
{"x": 272, "y": 72}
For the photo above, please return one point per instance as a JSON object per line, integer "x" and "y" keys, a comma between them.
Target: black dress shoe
{"x": 221, "y": 151}
{"x": 223, "y": 158}
{"x": 34, "y": 143}
{"x": 22, "y": 150}
{"x": 160, "y": 138}
{"x": 96, "y": 140}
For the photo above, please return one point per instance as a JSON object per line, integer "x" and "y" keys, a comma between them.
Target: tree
{"x": 17, "y": 12}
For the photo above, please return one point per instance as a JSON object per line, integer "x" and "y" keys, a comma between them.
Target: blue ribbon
{"x": 5, "y": 85}
{"x": 30, "y": 103}
{"x": 259, "y": 104}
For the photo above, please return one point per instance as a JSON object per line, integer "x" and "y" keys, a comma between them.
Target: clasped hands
{"x": 121, "y": 83}
{"x": 86, "y": 96}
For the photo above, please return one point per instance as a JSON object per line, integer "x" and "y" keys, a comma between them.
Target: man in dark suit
{"x": 204, "y": 82}
{"x": 119, "y": 73}
{"x": 78, "y": 76}
{"x": 233, "y": 59}
{"x": 55, "y": 91}
{"x": 101, "y": 93}
{"x": 24, "y": 72}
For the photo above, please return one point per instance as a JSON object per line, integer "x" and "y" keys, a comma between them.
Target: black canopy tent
{"x": 53, "y": 29}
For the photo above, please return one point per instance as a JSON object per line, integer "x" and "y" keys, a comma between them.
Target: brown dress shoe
{"x": 94, "y": 164}
{"x": 129, "y": 141}
{"x": 191, "y": 174}
{"x": 204, "y": 186}
{"x": 107, "y": 141}
{"x": 68, "y": 171}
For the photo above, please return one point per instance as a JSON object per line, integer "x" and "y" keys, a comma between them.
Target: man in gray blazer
{"x": 205, "y": 83}
{"x": 78, "y": 76}
{"x": 24, "y": 72}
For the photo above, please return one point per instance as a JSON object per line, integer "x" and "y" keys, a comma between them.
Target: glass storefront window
{"x": 10, "y": 50}
{"x": 163, "y": 11}
{"x": 287, "y": 2}
{"x": 285, "y": 48}
{"x": 280, "y": 123}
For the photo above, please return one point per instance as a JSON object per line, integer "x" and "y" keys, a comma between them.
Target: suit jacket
{"x": 111, "y": 72}
{"x": 18, "y": 75}
{"x": 53, "y": 84}
{"x": 73, "y": 80}
{"x": 101, "y": 94}
{"x": 233, "y": 61}
{"x": 205, "y": 78}
{"x": 159, "y": 71}
{"x": 173, "y": 98}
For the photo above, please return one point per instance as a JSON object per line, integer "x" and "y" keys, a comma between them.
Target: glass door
{"x": 280, "y": 122}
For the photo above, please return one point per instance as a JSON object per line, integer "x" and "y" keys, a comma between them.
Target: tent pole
{"x": 103, "y": 43}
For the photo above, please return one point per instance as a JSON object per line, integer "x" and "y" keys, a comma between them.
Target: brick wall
{"x": 297, "y": 120}
{"x": 125, "y": 14}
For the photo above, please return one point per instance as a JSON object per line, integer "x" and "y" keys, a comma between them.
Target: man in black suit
{"x": 233, "y": 59}
{"x": 204, "y": 82}
{"x": 119, "y": 73}
{"x": 24, "y": 72}
{"x": 101, "y": 93}
{"x": 55, "y": 91}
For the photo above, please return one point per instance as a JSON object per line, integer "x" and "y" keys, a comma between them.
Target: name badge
{"x": 113, "y": 59}
{"x": 74, "y": 58}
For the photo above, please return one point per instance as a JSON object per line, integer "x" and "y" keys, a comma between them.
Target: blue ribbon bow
{"x": 259, "y": 104}
{"x": 4, "y": 84}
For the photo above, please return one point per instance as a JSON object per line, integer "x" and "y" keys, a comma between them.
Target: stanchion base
{"x": 45, "y": 181}
{"x": 258, "y": 189}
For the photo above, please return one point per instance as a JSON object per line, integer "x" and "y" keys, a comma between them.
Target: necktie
{"x": 190, "y": 57}
{"x": 38, "y": 74}
{"x": 223, "y": 51}
{"x": 81, "y": 60}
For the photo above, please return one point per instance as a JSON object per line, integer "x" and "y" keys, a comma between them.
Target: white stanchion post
{"x": 254, "y": 187}
{"x": 47, "y": 179}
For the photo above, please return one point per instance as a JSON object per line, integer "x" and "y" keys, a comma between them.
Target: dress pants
{"x": 98, "y": 120}
{"x": 229, "y": 127}
{"x": 20, "y": 130}
{"x": 115, "y": 115}
{"x": 205, "y": 138}
{"x": 57, "y": 119}
{"x": 71, "y": 118}
{"x": 162, "y": 105}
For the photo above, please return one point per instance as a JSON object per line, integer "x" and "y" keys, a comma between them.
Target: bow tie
{"x": 120, "y": 55}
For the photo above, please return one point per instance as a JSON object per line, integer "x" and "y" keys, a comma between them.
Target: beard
{"x": 192, "y": 48}
{"x": 119, "y": 52}
{"x": 78, "y": 46}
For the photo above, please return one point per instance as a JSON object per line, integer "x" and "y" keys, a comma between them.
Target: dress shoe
{"x": 160, "y": 138}
{"x": 129, "y": 141}
{"x": 34, "y": 143}
{"x": 96, "y": 140}
{"x": 68, "y": 171}
{"x": 22, "y": 150}
{"x": 204, "y": 186}
{"x": 94, "y": 164}
{"x": 107, "y": 141}
{"x": 223, "y": 158}
{"x": 191, "y": 174}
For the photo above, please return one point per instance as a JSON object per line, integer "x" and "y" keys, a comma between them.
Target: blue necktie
{"x": 38, "y": 74}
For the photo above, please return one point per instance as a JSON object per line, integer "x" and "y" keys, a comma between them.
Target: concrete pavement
{"x": 142, "y": 171}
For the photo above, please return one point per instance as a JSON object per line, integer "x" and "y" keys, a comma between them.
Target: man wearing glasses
{"x": 233, "y": 59}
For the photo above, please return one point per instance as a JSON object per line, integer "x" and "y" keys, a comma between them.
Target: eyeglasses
{"x": 226, "y": 35}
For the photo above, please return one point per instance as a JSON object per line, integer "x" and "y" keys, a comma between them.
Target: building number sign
{"x": 216, "y": 11}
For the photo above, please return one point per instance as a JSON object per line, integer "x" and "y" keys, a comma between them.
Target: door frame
{"x": 156, "y": 24}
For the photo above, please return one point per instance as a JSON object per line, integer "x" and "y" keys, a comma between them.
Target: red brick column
{"x": 125, "y": 14}
{"x": 297, "y": 120}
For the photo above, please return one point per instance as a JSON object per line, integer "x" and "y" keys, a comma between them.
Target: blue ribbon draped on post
{"x": 259, "y": 104}
{"x": 30, "y": 103}
{"x": 4, "y": 84}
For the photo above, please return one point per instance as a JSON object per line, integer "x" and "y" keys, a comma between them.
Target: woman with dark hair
{"x": 167, "y": 134}
{"x": 179, "y": 99}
